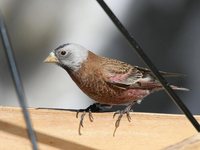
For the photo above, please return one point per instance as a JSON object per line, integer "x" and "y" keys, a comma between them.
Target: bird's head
{"x": 69, "y": 56}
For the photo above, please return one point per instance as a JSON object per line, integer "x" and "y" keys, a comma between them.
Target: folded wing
{"x": 126, "y": 76}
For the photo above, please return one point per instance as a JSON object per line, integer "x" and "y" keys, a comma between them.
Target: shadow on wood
{"x": 41, "y": 137}
{"x": 191, "y": 143}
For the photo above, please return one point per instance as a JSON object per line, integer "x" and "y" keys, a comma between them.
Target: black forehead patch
{"x": 61, "y": 46}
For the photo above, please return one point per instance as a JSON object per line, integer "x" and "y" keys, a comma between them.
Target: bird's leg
{"x": 121, "y": 113}
{"x": 96, "y": 107}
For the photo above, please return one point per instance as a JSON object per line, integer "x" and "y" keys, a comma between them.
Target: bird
{"x": 107, "y": 81}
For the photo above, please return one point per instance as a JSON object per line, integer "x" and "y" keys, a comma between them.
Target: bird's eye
{"x": 63, "y": 53}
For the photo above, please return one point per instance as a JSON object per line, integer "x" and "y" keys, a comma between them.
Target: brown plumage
{"x": 111, "y": 81}
{"x": 106, "y": 80}
{"x": 95, "y": 79}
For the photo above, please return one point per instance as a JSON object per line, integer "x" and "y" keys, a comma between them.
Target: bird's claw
{"x": 90, "y": 116}
{"x": 82, "y": 118}
{"x": 128, "y": 116}
{"x": 116, "y": 113}
{"x": 96, "y": 107}
{"x": 120, "y": 113}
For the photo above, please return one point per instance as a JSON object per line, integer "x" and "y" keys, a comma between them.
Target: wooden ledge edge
{"x": 43, "y": 109}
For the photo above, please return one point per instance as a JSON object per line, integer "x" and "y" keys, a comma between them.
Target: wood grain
{"x": 56, "y": 129}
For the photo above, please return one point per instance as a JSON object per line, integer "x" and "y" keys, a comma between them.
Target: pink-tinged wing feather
{"x": 125, "y": 78}
{"x": 124, "y": 75}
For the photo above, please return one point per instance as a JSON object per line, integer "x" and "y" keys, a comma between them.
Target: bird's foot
{"x": 126, "y": 111}
{"x": 82, "y": 118}
{"x": 96, "y": 107}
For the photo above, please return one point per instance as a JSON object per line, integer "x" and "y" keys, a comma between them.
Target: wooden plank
{"x": 57, "y": 129}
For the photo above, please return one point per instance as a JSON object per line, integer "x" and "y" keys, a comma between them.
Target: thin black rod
{"x": 17, "y": 81}
{"x": 149, "y": 63}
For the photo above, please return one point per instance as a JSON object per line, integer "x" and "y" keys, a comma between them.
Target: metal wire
{"x": 149, "y": 63}
{"x": 17, "y": 81}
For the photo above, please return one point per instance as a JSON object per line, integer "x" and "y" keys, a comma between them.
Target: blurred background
{"x": 168, "y": 31}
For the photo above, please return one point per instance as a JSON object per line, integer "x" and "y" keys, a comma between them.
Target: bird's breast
{"x": 91, "y": 79}
{"x": 94, "y": 85}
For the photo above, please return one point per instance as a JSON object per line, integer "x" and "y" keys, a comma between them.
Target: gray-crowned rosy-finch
{"x": 106, "y": 80}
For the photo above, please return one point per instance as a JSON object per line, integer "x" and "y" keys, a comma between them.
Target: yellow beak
{"x": 51, "y": 58}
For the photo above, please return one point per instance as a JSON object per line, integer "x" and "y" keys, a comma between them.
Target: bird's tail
{"x": 160, "y": 87}
{"x": 179, "y": 88}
